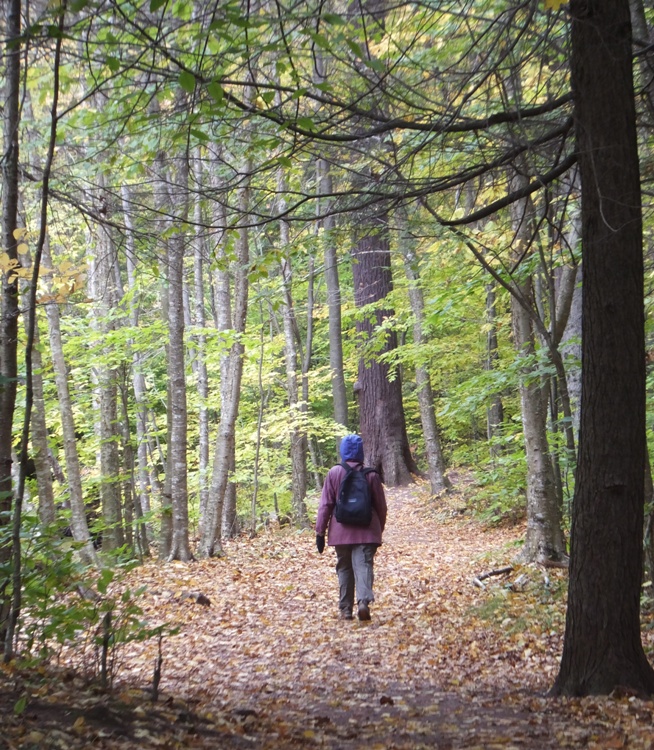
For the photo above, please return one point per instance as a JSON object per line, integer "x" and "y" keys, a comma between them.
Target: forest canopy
{"x": 235, "y": 231}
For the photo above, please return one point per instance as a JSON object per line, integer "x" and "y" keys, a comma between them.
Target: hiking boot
{"x": 345, "y": 616}
{"x": 364, "y": 610}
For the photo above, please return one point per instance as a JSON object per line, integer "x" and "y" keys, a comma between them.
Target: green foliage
{"x": 69, "y": 607}
{"x": 501, "y": 482}
{"x": 538, "y": 608}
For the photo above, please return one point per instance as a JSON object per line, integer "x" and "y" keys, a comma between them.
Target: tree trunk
{"x": 210, "y": 542}
{"x": 544, "y": 540}
{"x": 200, "y": 344}
{"x": 297, "y": 433}
{"x": 222, "y": 302}
{"x": 171, "y": 201}
{"x": 642, "y": 38}
{"x": 602, "y": 648}
{"x": 571, "y": 350}
{"x": 138, "y": 379}
{"x": 306, "y": 368}
{"x": 9, "y": 322}
{"x": 134, "y": 521}
{"x": 495, "y": 409}
{"x": 339, "y": 393}
{"x": 105, "y": 296}
{"x": 383, "y": 428}
{"x": 39, "y": 436}
{"x": 78, "y": 523}
{"x": 437, "y": 478}
{"x": 177, "y": 437}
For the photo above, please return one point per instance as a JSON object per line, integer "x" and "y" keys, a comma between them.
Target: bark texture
{"x": 602, "y": 647}
{"x": 381, "y": 412}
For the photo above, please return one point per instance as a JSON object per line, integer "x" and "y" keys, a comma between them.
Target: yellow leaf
{"x": 6, "y": 262}
{"x": 22, "y": 248}
{"x": 19, "y": 233}
{"x": 79, "y": 724}
{"x": 554, "y": 4}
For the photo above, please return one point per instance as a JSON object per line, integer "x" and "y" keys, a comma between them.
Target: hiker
{"x": 355, "y": 545}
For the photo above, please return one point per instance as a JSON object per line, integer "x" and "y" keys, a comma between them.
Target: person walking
{"x": 355, "y": 546}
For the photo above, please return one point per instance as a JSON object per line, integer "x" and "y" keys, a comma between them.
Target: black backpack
{"x": 354, "y": 504}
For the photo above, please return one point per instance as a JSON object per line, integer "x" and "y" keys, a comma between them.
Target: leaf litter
{"x": 261, "y": 659}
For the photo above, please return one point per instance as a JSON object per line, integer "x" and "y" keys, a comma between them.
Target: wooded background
{"x": 234, "y": 231}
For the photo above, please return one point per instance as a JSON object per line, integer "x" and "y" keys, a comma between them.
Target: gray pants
{"x": 354, "y": 566}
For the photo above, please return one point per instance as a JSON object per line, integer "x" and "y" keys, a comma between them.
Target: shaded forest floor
{"x": 443, "y": 663}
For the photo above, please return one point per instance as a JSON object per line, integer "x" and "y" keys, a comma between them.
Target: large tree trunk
{"x": 602, "y": 648}
{"x": 383, "y": 428}
{"x": 642, "y": 38}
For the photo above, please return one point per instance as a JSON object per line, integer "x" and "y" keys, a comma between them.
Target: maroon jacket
{"x": 339, "y": 534}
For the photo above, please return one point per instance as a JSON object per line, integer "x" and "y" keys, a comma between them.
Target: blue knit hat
{"x": 352, "y": 448}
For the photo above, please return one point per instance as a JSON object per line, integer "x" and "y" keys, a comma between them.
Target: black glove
{"x": 320, "y": 542}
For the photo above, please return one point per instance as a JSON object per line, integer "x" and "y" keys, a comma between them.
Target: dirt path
{"x": 268, "y": 664}
{"x": 424, "y": 673}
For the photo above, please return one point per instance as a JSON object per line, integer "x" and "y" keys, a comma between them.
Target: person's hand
{"x": 320, "y": 542}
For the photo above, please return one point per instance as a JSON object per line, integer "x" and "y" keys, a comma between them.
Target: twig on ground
{"x": 477, "y": 580}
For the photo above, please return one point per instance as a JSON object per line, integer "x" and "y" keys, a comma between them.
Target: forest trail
{"x": 268, "y": 665}
{"x": 271, "y": 661}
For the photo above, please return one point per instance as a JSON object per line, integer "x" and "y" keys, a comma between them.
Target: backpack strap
{"x": 364, "y": 469}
